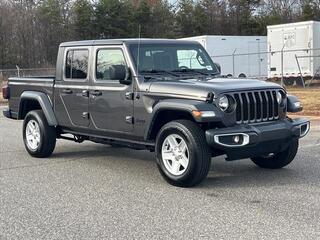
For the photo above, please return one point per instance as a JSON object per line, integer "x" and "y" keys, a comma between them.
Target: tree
{"x": 31, "y": 30}
{"x": 142, "y": 17}
{"x": 310, "y": 10}
{"x": 53, "y": 28}
{"x": 162, "y": 19}
{"x": 113, "y": 19}
{"x": 82, "y": 19}
{"x": 185, "y": 18}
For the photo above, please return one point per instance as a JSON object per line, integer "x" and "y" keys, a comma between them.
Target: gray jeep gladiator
{"x": 160, "y": 95}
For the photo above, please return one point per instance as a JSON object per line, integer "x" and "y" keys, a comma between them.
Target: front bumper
{"x": 244, "y": 141}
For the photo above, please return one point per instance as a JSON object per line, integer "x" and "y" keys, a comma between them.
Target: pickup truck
{"x": 161, "y": 95}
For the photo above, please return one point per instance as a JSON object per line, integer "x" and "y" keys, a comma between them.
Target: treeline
{"x": 31, "y": 30}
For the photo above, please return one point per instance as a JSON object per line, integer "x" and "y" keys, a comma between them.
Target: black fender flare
{"x": 184, "y": 105}
{"x": 44, "y": 103}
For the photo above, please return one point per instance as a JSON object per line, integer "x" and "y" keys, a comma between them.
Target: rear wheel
{"x": 279, "y": 160}
{"x": 289, "y": 81}
{"x": 242, "y": 75}
{"x": 39, "y": 138}
{"x": 183, "y": 156}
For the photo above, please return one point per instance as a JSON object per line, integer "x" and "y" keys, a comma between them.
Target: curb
{"x": 312, "y": 118}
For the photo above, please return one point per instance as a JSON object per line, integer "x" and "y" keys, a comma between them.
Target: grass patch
{"x": 310, "y": 99}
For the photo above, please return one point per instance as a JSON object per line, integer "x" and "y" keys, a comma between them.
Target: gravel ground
{"x": 92, "y": 191}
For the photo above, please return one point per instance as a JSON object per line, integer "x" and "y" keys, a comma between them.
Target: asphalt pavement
{"x": 92, "y": 191}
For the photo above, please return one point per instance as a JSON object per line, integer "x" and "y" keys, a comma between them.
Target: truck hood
{"x": 200, "y": 89}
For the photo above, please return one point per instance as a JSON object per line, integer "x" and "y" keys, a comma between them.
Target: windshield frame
{"x": 197, "y": 46}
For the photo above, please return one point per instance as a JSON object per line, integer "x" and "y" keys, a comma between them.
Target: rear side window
{"x": 77, "y": 64}
{"x": 105, "y": 59}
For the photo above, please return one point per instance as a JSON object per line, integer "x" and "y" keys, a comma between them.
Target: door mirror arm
{"x": 128, "y": 78}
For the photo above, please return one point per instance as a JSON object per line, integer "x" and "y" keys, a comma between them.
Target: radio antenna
{"x": 139, "y": 42}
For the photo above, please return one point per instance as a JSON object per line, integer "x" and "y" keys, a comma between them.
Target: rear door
{"x": 72, "y": 95}
{"x": 110, "y": 104}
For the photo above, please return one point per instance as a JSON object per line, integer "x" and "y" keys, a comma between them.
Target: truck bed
{"x": 18, "y": 85}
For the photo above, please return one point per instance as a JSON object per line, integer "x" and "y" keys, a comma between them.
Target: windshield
{"x": 172, "y": 59}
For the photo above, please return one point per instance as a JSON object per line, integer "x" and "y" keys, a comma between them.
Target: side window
{"x": 77, "y": 64}
{"x": 105, "y": 59}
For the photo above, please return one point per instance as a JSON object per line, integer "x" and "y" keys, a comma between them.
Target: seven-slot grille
{"x": 256, "y": 106}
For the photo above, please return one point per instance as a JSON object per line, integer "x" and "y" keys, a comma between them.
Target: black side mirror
{"x": 121, "y": 73}
{"x": 293, "y": 104}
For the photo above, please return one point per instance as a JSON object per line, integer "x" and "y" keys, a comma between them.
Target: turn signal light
{"x": 204, "y": 114}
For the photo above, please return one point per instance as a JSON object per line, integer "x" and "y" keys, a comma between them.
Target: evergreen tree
{"x": 185, "y": 19}
{"x": 163, "y": 19}
{"x": 83, "y": 14}
{"x": 113, "y": 19}
{"x": 143, "y": 18}
{"x": 52, "y": 27}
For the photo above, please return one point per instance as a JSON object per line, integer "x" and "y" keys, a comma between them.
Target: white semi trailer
{"x": 294, "y": 51}
{"x": 238, "y": 56}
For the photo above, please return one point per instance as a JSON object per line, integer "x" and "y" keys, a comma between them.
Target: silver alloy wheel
{"x": 175, "y": 154}
{"x": 33, "y": 135}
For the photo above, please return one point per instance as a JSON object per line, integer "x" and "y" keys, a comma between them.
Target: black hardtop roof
{"x": 123, "y": 41}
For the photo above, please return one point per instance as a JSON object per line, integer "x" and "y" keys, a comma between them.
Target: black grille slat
{"x": 253, "y": 106}
{"x": 241, "y": 104}
{"x": 238, "y": 109}
{"x": 275, "y": 104}
{"x": 264, "y": 106}
{"x": 257, "y": 106}
{"x": 270, "y": 105}
{"x": 246, "y": 107}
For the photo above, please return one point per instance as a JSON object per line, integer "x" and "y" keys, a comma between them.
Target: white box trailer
{"x": 296, "y": 46}
{"x": 238, "y": 56}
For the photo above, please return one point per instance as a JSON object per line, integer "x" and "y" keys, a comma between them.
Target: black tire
{"x": 242, "y": 75}
{"x": 47, "y": 135}
{"x": 278, "y": 160}
{"x": 289, "y": 81}
{"x": 300, "y": 82}
{"x": 199, "y": 153}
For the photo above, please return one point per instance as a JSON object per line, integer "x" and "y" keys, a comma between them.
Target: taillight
{"x": 6, "y": 92}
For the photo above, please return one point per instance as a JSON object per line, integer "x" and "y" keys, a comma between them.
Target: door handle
{"x": 67, "y": 91}
{"x": 96, "y": 93}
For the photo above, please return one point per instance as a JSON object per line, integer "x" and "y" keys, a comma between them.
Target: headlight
{"x": 224, "y": 103}
{"x": 279, "y": 97}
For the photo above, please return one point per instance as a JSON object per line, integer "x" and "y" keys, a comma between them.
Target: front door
{"x": 111, "y": 110}
{"x": 72, "y": 95}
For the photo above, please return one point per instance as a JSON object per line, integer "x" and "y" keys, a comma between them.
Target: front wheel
{"x": 278, "y": 160}
{"x": 39, "y": 138}
{"x": 183, "y": 156}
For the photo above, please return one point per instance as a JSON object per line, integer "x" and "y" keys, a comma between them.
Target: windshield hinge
{"x": 129, "y": 95}
{"x": 129, "y": 119}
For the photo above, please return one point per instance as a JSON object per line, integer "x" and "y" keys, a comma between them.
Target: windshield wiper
{"x": 156, "y": 71}
{"x": 187, "y": 70}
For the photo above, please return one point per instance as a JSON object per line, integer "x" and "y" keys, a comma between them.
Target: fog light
{"x": 304, "y": 129}
{"x": 236, "y": 139}
{"x": 232, "y": 139}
